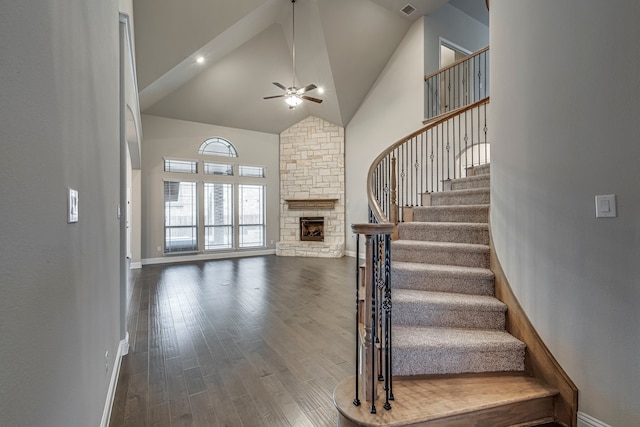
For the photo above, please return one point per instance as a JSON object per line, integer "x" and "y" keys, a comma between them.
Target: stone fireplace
{"x": 312, "y": 189}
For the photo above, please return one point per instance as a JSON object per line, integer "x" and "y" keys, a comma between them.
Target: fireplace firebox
{"x": 312, "y": 229}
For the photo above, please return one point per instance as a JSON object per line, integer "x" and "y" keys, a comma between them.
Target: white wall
{"x": 391, "y": 110}
{"x": 59, "y": 127}
{"x": 565, "y": 113}
{"x": 181, "y": 139}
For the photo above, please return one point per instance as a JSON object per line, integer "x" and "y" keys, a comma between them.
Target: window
{"x": 218, "y": 169}
{"x": 214, "y": 211}
{"x": 218, "y": 216}
{"x": 180, "y": 217}
{"x": 218, "y": 147}
{"x": 180, "y": 166}
{"x": 251, "y": 171}
{"x": 251, "y": 216}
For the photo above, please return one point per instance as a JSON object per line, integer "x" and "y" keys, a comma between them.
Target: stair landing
{"x": 496, "y": 400}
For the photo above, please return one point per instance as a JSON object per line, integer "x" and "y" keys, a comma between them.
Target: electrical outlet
{"x": 159, "y": 248}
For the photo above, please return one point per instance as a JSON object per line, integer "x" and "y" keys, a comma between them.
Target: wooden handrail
{"x": 458, "y": 62}
{"x": 373, "y": 203}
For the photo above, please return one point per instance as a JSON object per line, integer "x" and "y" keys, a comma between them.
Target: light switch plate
{"x": 606, "y": 206}
{"x": 72, "y": 205}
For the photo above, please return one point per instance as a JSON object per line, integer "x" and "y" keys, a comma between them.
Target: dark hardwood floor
{"x": 258, "y": 341}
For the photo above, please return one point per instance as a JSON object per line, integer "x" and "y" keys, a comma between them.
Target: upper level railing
{"x": 462, "y": 83}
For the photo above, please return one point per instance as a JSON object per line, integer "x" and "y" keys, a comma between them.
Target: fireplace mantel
{"x": 310, "y": 204}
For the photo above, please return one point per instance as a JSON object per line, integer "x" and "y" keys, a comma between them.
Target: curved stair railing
{"x": 403, "y": 176}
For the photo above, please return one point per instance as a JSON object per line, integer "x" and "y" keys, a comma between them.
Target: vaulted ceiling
{"x": 341, "y": 46}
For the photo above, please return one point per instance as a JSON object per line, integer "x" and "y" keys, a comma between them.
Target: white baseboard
{"x": 585, "y": 420}
{"x": 204, "y": 257}
{"x": 123, "y": 349}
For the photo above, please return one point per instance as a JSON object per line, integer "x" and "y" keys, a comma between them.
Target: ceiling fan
{"x": 293, "y": 95}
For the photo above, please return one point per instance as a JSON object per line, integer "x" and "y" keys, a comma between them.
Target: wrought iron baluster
{"x": 356, "y": 400}
{"x": 387, "y": 336}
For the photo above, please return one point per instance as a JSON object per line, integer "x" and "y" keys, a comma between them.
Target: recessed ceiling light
{"x": 200, "y": 59}
{"x": 320, "y": 90}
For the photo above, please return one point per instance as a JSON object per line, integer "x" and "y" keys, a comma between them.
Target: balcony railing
{"x": 460, "y": 84}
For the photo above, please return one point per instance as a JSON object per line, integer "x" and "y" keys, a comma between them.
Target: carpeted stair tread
{"x": 445, "y": 309}
{"x": 421, "y": 350}
{"x": 476, "y": 181}
{"x": 457, "y": 232}
{"x": 457, "y": 213}
{"x": 443, "y": 253}
{"x": 442, "y": 278}
{"x": 471, "y": 196}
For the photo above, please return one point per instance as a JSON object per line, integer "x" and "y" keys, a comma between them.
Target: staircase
{"x": 441, "y": 338}
{"x": 453, "y": 362}
{"x": 445, "y": 317}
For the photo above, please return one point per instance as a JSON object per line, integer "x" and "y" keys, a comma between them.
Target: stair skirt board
{"x": 496, "y": 400}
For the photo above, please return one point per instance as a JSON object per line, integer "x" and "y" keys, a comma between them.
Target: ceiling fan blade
{"x": 310, "y": 98}
{"x": 280, "y": 86}
{"x": 274, "y": 96}
{"x": 306, "y": 89}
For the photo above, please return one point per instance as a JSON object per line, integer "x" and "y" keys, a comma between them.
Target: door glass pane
{"x": 218, "y": 216}
{"x": 251, "y": 215}
{"x": 180, "y": 217}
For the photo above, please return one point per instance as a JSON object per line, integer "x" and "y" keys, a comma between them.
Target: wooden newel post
{"x": 367, "y": 333}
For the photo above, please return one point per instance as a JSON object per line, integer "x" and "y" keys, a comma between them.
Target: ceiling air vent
{"x": 408, "y": 9}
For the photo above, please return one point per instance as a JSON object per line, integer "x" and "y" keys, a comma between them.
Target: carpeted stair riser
{"x": 420, "y": 350}
{"x": 445, "y": 232}
{"x": 480, "y": 181}
{"x": 473, "y": 196}
{"x": 442, "y": 278}
{"x": 440, "y": 309}
{"x": 463, "y": 254}
{"x": 481, "y": 170}
{"x": 451, "y": 214}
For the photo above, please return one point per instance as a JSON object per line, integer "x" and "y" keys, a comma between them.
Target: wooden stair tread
{"x": 462, "y": 400}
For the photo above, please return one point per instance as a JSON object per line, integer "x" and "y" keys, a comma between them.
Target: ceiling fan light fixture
{"x": 293, "y": 95}
{"x": 293, "y": 101}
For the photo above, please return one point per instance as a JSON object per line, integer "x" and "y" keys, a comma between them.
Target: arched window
{"x": 218, "y": 147}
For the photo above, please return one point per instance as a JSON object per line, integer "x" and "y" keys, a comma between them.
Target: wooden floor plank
{"x": 244, "y": 342}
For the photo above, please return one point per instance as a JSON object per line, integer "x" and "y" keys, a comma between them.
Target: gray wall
{"x": 181, "y": 139}
{"x": 565, "y": 113}
{"x": 59, "y": 127}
